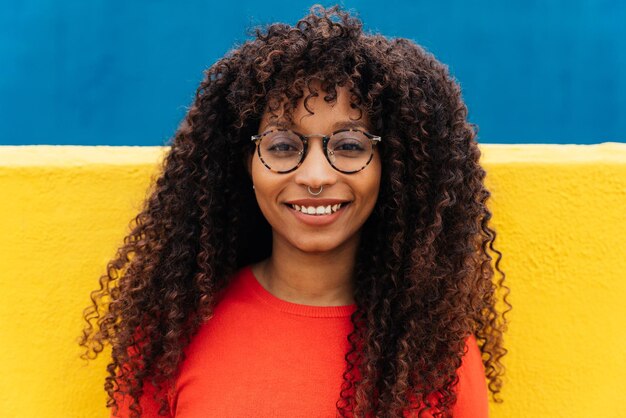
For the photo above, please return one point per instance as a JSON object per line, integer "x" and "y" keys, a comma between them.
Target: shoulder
{"x": 472, "y": 360}
{"x": 149, "y": 401}
{"x": 471, "y": 390}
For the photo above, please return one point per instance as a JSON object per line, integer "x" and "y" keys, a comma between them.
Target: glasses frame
{"x": 374, "y": 139}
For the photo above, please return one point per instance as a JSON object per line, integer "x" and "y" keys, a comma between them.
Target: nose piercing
{"x": 314, "y": 194}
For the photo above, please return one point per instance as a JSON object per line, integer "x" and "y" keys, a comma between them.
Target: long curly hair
{"x": 424, "y": 279}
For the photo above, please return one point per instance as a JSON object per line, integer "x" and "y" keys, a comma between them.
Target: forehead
{"x": 334, "y": 126}
{"x": 315, "y": 113}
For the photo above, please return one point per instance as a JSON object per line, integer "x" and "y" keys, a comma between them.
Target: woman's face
{"x": 275, "y": 192}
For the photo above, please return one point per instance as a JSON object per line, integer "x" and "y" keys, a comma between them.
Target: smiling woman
{"x": 312, "y": 243}
{"x": 317, "y": 244}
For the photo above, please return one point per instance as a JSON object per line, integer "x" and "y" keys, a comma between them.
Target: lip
{"x": 317, "y": 220}
{"x": 316, "y": 202}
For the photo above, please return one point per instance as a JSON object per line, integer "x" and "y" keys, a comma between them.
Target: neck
{"x": 309, "y": 278}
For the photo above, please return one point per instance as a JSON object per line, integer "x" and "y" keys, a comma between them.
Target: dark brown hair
{"x": 424, "y": 275}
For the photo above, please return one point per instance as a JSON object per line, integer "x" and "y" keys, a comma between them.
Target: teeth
{"x": 318, "y": 210}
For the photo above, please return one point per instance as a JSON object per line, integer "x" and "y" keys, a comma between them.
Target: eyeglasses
{"x": 347, "y": 150}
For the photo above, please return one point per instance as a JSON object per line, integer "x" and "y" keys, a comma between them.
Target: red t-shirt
{"x": 260, "y": 356}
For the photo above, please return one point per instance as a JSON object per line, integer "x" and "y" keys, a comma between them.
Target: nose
{"x": 315, "y": 171}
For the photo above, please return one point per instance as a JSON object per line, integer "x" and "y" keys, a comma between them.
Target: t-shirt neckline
{"x": 295, "y": 308}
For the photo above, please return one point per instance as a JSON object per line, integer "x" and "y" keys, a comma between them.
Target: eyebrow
{"x": 336, "y": 126}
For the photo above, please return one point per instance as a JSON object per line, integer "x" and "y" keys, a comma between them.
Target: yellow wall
{"x": 560, "y": 214}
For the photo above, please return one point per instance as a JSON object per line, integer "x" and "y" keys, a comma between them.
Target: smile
{"x": 318, "y": 216}
{"x": 318, "y": 210}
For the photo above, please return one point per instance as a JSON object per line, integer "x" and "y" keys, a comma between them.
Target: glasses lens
{"x": 349, "y": 150}
{"x": 281, "y": 149}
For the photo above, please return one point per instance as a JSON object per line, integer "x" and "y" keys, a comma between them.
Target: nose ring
{"x": 314, "y": 194}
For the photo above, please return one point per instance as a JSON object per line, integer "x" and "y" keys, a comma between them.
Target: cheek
{"x": 259, "y": 173}
{"x": 372, "y": 192}
{"x": 374, "y": 178}
{"x": 266, "y": 185}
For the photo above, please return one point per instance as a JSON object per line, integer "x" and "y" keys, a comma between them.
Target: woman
{"x": 316, "y": 245}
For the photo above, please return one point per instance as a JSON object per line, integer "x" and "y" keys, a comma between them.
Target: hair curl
{"x": 424, "y": 281}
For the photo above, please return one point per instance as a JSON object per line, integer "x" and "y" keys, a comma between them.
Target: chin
{"x": 322, "y": 247}
{"x": 309, "y": 243}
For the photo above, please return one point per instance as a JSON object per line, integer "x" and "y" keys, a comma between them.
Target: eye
{"x": 281, "y": 142}
{"x": 282, "y": 146}
{"x": 349, "y": 146}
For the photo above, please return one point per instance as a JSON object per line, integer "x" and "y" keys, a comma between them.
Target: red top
{"x": 265, "y": 357}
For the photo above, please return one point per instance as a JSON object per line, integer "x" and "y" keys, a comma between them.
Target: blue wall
{"x": 122, "y": 73}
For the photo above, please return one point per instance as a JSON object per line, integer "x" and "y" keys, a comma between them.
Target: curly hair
{"x": 424, "y": 279}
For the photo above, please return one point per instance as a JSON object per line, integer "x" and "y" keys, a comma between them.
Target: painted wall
{"x": 122, "y": 73}
{"x": 559, "y": 213}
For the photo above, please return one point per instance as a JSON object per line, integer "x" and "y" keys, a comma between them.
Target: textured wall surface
{"x": 124, "y": 72}
{"x": 559, "y": 212}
